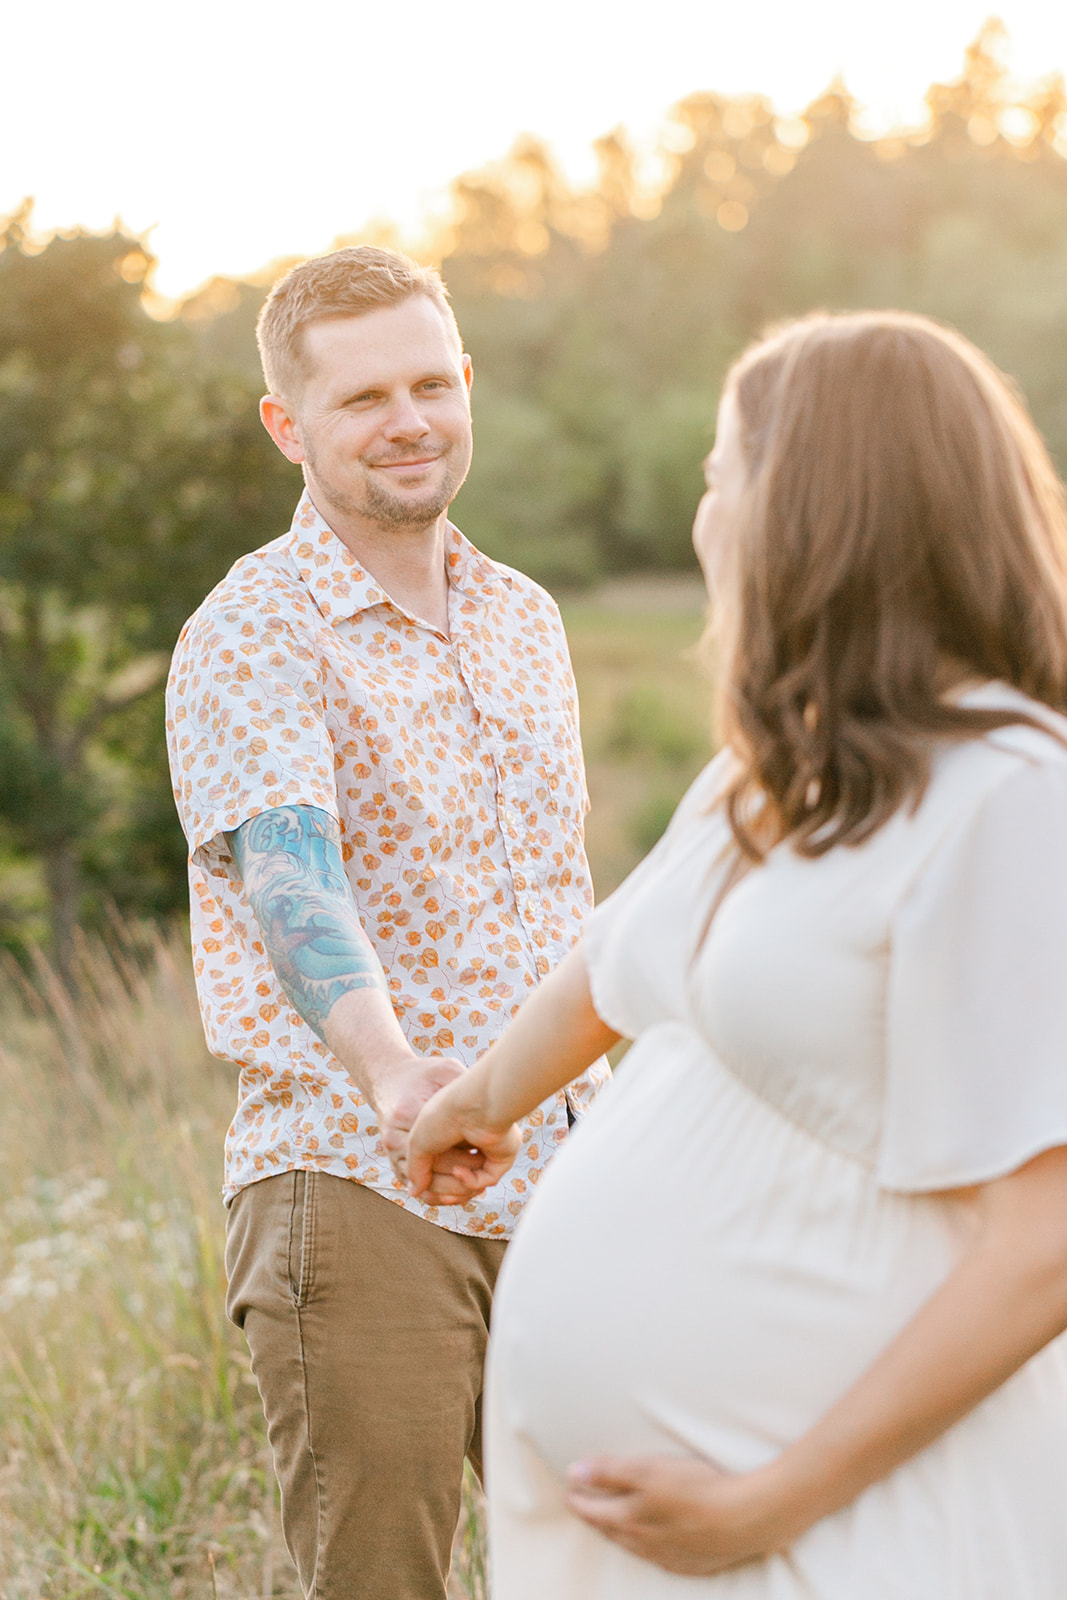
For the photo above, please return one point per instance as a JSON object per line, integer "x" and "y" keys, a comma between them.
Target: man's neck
{"x": 409, "y": 563}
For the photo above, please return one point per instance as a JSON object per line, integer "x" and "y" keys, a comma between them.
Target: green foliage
{"x": 127, "y": 1416}
{"x": 649, "y": 821}
{"x": 133, "y": 1453}
{"x": 645, "y": 712}
{"x": 648, "y": 723}
{"x": 133, "y": 468}
{"x": 605, "y": 320}
{"x": 532, "y": 500}
{"x": 129, "y": 480}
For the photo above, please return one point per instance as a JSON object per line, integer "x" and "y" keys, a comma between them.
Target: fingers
{"x": 669, "y": 1510}
{"x": 619, "y": 1514}
{"x": 459, "y": 1158}
{"x": 607, "y": 1474}
{"x": 447, "y": 1142}
{"x": 446, "y": 1192}
{"x": 443, "y": 1070}
{"x": 607, "y": 1493}
{"x": 446, "y": 1188}
{"x": 394, "y": 1138}
{"x": 416, "y": 1172}
{"x": 449, "y": 1178}
{"x": 482, "y": 1173}
{"x": 668, "y": 1477}
{"x": 413, "y": 1089}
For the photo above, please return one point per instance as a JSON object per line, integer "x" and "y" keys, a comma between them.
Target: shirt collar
{"x": 341, "y": 588}
{"x": 473, "y": 574}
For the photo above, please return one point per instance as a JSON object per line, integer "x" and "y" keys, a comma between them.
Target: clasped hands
{"x": 440, "y": 1148}
{"x": 683, "y": 1514}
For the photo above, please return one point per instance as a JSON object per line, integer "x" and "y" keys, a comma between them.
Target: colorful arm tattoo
{"x": 290, "y": 862}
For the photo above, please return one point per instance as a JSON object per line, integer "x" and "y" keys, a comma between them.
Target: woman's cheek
{"x": 707, "y": 543}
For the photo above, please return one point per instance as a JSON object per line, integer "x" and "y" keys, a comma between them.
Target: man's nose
{"x": 405, "y": 420}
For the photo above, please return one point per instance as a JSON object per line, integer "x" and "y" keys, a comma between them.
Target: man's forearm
{"x": 293, "y": 873}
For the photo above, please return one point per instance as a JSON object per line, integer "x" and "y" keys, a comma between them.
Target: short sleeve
{"x": 977, "y": 999}
{"x": 246, "y": 725}
{"x": 602, "y": 929}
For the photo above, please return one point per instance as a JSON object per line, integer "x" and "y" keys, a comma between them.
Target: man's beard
{"x": 377, "y": 504}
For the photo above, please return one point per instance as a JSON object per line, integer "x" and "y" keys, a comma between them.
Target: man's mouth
{"x": 408, "y": 464}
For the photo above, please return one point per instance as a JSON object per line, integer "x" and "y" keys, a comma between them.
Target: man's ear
{"x": 468, "y": 370}
{"x": 279, "y": 419}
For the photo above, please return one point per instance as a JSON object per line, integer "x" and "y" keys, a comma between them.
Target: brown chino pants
{"x": 367, "y": 1328}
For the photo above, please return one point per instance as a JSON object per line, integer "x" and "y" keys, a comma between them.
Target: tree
{"x": 601, "y": 321}
{"x": 128, "y": 480}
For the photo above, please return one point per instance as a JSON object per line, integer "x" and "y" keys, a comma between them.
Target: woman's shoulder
{"x": 1041, "y": 740}
{"x": 1012, "y": 770}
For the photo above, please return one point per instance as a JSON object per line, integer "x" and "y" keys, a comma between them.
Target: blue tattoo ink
{"x": 290, "y": 863}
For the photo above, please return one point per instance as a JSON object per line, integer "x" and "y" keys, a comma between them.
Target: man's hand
{"x": 453, "y": 1135}
{"x": 400, "y": 1097}
{"x": 686, "y": 1516}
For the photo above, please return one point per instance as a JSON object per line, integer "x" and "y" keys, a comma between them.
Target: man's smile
{"x": 408, "y": 464}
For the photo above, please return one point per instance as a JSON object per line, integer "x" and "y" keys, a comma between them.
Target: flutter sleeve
{"x": 977, "y": 999}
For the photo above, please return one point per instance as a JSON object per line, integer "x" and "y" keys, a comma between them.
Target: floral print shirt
{"x": 454, "y": 769}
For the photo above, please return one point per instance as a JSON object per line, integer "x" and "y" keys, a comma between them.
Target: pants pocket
{"x": 302, "y": 1237}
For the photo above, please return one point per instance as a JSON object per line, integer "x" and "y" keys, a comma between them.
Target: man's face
{"x": 382, "y": 422}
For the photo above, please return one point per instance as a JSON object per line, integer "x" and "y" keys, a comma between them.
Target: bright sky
{"x": 239, "y": 131}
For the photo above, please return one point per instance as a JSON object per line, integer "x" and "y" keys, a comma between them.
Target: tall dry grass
{"x": 133, "y": 1456}
{"x": 133, "y": 1459}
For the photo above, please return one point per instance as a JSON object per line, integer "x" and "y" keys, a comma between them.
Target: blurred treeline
{"x": 133, "y": 469}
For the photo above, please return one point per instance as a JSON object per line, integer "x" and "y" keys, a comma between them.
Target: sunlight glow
{"x": 239, "y": 133}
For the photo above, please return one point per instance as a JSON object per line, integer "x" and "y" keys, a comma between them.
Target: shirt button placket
{"x": 512, "y": 831}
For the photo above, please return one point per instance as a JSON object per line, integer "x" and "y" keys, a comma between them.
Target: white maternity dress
{"x": 758, "y": 1202}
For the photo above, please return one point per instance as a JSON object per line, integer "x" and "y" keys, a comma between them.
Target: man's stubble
{"x": 392, "y": 511}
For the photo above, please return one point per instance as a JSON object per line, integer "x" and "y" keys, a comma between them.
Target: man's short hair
{"x": 345, "y": 283}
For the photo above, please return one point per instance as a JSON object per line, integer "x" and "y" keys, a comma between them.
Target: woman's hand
{"x": 452, "y": 1130}
{"x": 466, "y": 1134}
{"x": 402, "y": 1097}
{"x": 1003, "y": 1302}
{"x": 686, "y": 1516}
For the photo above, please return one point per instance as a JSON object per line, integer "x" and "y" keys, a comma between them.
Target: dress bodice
{"x": 850, "y": 990}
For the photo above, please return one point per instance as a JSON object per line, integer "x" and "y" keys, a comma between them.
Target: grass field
{"x": 645, "y": 712}
{"x": 133, "y": 1460}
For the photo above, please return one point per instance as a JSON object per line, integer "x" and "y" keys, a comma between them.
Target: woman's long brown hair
{"x": 903, "y": 527}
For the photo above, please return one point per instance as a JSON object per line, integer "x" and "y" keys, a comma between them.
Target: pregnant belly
{"x": 698, "y": 1275}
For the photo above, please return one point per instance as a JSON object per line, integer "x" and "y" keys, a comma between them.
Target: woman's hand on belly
{"x": 686, "y": 1516}
{"x": 1002, "y": 1303}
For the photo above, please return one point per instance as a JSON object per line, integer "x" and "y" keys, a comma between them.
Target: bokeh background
{"x": 637, "y": 196}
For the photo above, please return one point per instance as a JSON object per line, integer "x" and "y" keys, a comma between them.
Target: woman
{"x": 781, "y": 1323}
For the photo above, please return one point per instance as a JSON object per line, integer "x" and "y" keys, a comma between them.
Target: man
{"x": 376, "y": 759}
